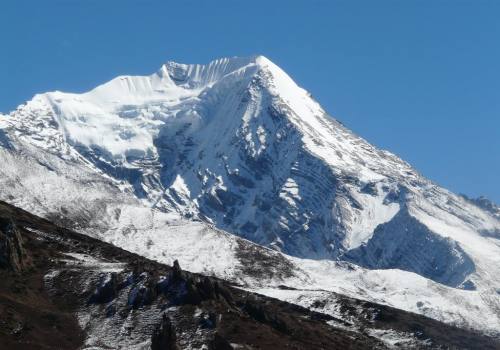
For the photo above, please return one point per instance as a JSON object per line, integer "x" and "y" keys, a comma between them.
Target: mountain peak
{"x": 202, "y": 75}
{"x": 234, "y": 62}
{"x": 172, "y": 81}
{"x": 126, "y": 114}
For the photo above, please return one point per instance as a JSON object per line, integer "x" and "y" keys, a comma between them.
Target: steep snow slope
{"x": 237, "y": 144}
{"x": 484, "y": 203}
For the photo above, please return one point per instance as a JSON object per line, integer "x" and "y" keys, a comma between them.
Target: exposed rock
{"x": 404, "y": 243}
{"x": 107, "y": 289}
{"x": 201, "y": 289}
{"x": 164, "y": 337}
{"x": 259, "y": 313}
{"x": 12, "y": 254}
{"x": 209, "y": 320}
{"x": 143, "y": 293}
{"x": 177, "y": 271}
{"x": 220, "y": 343}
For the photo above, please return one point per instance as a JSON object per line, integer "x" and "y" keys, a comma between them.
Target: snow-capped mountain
{"x": 237, "y": 146}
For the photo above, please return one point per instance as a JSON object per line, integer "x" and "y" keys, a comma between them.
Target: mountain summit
{"x": 236, "y": 145}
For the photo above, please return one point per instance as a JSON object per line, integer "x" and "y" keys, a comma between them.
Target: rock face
{"x": 164, "y": 337}
{"x": 107, "y": 289}
{"x": 12, "y": 254}
{"x": 416, "y": 249}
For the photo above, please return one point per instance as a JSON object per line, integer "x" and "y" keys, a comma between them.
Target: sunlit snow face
{"x": 125, "y": 115}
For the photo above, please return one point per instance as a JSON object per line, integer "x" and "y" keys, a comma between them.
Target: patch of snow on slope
{"x": 373, "y": 212}
{"x": 290, "y": 192}
{"x": 167, "y": 237}
{"x": 86, "y": 261}
{"x": 397, "y": 340}
{"x": 396, "y": 288}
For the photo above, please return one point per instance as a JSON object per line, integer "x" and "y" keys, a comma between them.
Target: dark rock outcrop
{"x": 195, "y": 289}
{"x": 164, "y": 337}
{"x": 143, "y": 293}
{"x": 107, "y": 290}
{"x": 220, "y": 343}
{"x": 177, "y": 271}
{"x": 12, "y": 253}
{"x": 259, "y": 313}
{"x": 200, "y": 289}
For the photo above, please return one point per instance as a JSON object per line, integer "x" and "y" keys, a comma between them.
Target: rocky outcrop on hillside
{"x": 82, "y": 293}
{"x": 13, "y": 256}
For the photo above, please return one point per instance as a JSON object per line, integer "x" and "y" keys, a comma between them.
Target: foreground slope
{"x": 238, "y": 145}
{"x": 63, "y": 289}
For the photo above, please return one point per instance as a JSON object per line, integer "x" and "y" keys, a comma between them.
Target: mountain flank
{"x": 62, "y": 289}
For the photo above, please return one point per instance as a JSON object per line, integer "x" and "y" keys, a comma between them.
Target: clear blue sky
{"x": 419, "y": 78}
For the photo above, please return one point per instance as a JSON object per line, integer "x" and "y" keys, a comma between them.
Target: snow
{"x": 3, "y": 121}
{"x": 87, "y": 261}
{"x": 373, "y": 213}
{"x": 167, "y": 237}
{"x": 180, "y": 186}
{"x": 124, "y": 115}
{"x": 395, "y": 340}
{"x": 396, "y": 288}
{"x": 290, "y": 192}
